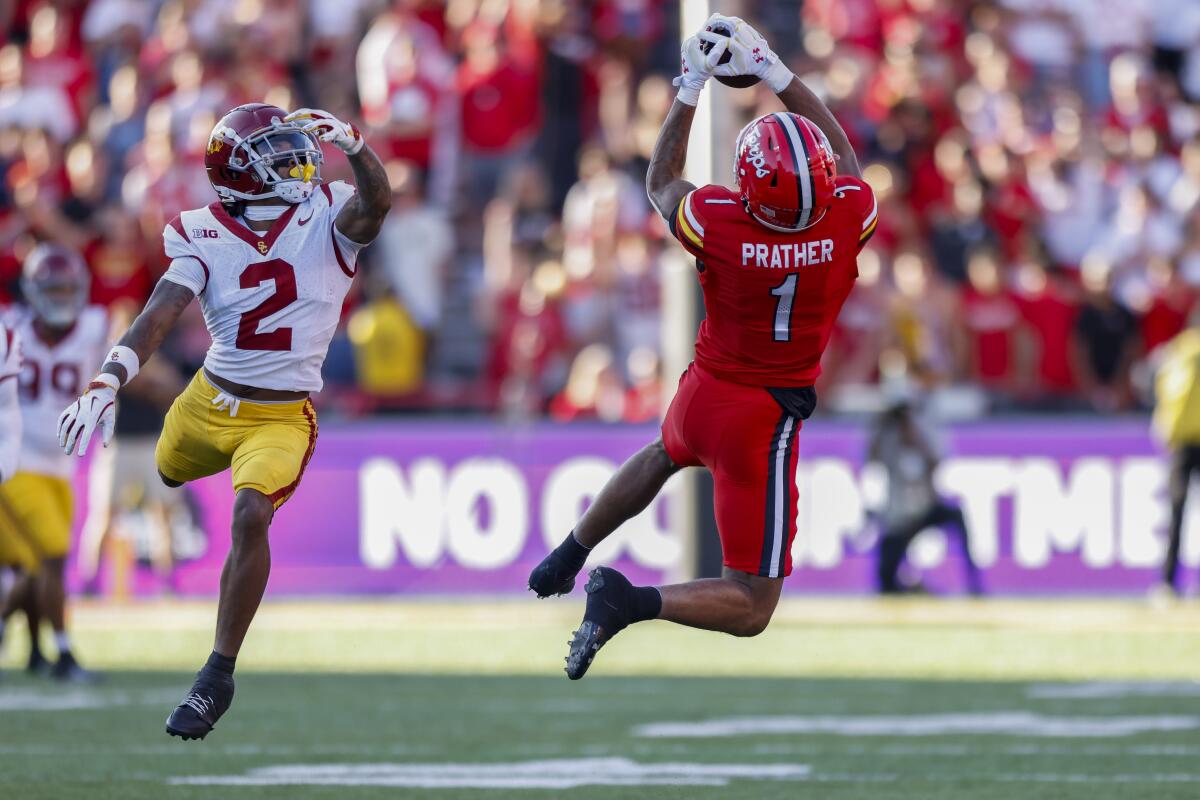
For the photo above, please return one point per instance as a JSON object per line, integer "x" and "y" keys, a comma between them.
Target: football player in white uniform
{"x": 10, "y": 409}
{"x": 10, "y": 437}
{"x": 271, "y": 263}
{"x": 61, "y": 339}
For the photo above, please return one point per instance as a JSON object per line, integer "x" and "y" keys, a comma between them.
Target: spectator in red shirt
{"x": 53, "y": 59}
{"x": 992, "y": 318}
{"x": 500, "y": 109}
{"x": 1049, "y": 307}
{"x": 404, "y": 77}
{"x": 120, "y": 269}
{"x": 1170, "y": 304}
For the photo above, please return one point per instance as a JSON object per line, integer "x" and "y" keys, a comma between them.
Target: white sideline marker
{"x": 1001, "y": 723}
{"x": 547, "y": 774}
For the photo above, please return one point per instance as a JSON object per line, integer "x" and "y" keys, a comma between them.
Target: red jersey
{"x": 771, "y": 298}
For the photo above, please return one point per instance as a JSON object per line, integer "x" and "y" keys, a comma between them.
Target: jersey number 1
{"x": 785, "y": 291}
{"x": 280, "y": 271}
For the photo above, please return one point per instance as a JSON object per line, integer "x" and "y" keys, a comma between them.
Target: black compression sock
{"x": 647, "y": 603}
{"x": 572, "y": 552}
{"x": 222, "y": 664}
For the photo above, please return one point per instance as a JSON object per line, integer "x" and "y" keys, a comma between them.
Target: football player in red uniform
{"x": 776, "y": 259}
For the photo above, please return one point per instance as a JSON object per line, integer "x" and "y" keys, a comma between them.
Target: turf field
{"x": 839, "y": 699}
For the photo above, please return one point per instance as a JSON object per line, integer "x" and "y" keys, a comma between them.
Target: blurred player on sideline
{"x": 271, "y": 263}
{"x": 776, "y": 260}
{"x": 11, "y": 554}
{"x": 907, "y": 450}
{"x": 1176, "y": 423}
{"x": 61, "y": 339}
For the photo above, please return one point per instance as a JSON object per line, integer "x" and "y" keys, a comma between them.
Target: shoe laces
{"x": 198, "y": 703}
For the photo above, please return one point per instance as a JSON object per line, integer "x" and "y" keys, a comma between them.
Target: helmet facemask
{"x": 285, "y": 159}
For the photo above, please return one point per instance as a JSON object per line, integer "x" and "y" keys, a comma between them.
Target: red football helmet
{"x": 55, "y": 282}
{"x": 785, "y": 169}
{"x": 253, "y": 155}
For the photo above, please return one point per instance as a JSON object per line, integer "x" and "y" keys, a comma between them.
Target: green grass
{"x": 441, "y": 684}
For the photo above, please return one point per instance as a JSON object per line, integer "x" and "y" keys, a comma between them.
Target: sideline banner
{"x": 1054, "y": 506}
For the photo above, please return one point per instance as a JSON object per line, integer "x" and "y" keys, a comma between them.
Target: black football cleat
{"x": 209, "y": 698}
{"x": 68, "y": 670}
{"x": 37, "y": 664}
{"x": 607, "y": 613}
{"x": 552, "y": 577}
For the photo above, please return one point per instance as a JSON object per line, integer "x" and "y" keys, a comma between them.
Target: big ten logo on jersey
{"x": 63, "y": 379}
{"x": 204, "y": 233}
{"x": 787, "y": 256}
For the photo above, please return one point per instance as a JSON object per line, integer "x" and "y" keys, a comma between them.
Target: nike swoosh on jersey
{"x": 303, "y": 222}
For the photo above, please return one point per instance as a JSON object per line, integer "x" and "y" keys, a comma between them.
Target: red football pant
{"x": 749, "y": 444}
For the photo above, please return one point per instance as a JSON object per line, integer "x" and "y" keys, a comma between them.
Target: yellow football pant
{"x": 35, "y": 519}
{"x": 268, "y": 445}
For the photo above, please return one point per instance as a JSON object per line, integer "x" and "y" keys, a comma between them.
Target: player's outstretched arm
{"x": 96, "y": 409}
{"x": 665, "y": 185}
{"x": 751, "y": 55}
{"x": 363, "y": 216}
{"x": 148, "y": 330}
{"x": 799, "y": 99}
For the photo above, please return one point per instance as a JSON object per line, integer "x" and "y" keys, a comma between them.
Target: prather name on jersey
{"x": 787, "y": 256}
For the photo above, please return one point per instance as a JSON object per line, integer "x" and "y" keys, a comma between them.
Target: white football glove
{"x": 751, "y": 55}
{"x": 698, "y": 66}
{"x": 328, "y": 128}
{"x": 95, "y": 410}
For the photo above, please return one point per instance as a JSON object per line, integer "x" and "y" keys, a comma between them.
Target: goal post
{"x": 709, "y": 151}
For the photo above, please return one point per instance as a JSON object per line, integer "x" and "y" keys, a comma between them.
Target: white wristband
{"x": 778, "y": 77}
{"x": 688, "y": 94}
{"x": 125, "y": 357}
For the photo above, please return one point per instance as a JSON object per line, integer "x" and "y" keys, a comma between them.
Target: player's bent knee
{"x": 252, "y": 512}
{"x": 753, "y": 624}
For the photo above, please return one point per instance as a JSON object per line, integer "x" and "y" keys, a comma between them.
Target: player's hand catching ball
{"x": 95, "y": 410}
{"x": 328, "y": 128}
{"x": 698, "y": 65}
{"x": 751, "y": 55}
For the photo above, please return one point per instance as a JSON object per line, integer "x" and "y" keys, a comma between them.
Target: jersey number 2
{"x": 248, "y": 337}
{"x": 785, "y": 291}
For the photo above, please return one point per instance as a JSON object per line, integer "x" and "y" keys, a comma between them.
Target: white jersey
{"x": 52, "y": 377}
{"x": 271, "y": 300}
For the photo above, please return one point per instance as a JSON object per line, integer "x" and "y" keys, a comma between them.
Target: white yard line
{"x": 1112, "y": 690}
{"x": 80, "y": 699}
{"x": 1002, "y": 723}
{"x": 542, "y": 774}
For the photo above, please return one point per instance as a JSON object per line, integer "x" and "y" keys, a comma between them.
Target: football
{"x": 736, "y": 81}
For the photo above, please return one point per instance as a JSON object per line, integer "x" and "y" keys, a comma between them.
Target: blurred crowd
{"x": 1037, "y": 164}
